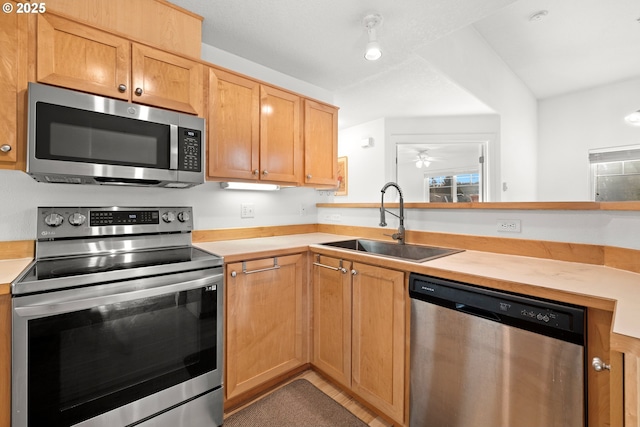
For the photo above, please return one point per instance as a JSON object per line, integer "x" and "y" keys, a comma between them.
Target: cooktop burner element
{"x": 84, "y": 246}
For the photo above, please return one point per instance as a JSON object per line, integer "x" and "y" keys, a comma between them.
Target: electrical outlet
{"x": 509, "y": 225}
{"x": 247, "y": 210}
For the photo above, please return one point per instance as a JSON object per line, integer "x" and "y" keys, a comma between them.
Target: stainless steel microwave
{"x": 77, "y": 138}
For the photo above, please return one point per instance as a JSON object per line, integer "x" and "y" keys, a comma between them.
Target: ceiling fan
{"x": 423, "y": 159}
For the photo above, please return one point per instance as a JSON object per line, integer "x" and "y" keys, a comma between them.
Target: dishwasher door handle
{"x": 490, "y": 315}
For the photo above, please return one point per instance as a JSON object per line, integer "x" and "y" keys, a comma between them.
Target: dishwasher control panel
{"x": 538, "y": 315}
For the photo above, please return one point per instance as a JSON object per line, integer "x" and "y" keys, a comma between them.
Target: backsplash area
{"x": 213, "y": 207}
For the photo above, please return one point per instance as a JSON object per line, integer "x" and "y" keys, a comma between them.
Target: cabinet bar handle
{"x": 275, "y": 267}
{"x": 340, "y": 269}
{"x": 319, "y": 264}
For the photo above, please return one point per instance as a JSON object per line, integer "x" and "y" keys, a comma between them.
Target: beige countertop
{"x": 586, "y": 284}
{"x": 9, "y": 270}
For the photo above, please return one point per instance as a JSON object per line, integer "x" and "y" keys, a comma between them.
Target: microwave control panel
{"x": 189, "y": 150}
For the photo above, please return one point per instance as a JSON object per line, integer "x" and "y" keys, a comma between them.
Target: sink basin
{"x": 415, "y": 253}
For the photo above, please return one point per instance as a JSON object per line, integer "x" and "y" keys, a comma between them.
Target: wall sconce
{"x": 633, "y": 119}
{"x": 248, "y": 186}
{"x": 372, "y": 51}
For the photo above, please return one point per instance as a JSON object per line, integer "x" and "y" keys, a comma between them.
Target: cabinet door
{"x": 78, "y": 57}
{"x": 280, "y": 140}
{"x": 320, "y": 144}
{"x": 164, "y": 80}
{"x": 332, "y": 318}
{"x": 604, "y": 388}
{"x": 12, "y": 81}
{"x": 378, "y": 365}
{"x": 234, "y": 126}
{"x": 264, "y": 321}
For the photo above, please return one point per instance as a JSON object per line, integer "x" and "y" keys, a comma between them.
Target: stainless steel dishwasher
{"x": 486, "y": 358}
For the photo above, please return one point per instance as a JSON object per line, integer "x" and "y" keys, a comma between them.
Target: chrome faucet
{"x": 399, "y": 236}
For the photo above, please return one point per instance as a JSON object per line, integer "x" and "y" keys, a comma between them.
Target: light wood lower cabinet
{"x": 631, "y": 390}
{"x": 604, "y": 388}
{"x": 265, "y": 326}
{"x": 332, "y": 318}
{"x": 359, "y": 329}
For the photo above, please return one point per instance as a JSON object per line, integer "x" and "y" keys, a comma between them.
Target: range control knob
{"x": 184, "y": 216}
{"x": 77, "y": 219}
{"x": 54, "y": 220}
{"x": 168, "y": 217}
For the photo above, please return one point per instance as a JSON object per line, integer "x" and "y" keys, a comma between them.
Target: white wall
{"x": 466, "y": 58}
{"x": 213, "y": 207}
{"x": 609, "y": 228}
{"x": 572, "y": 124}
{"x": 366, "y": 166}
{"x": 240, "y": 65}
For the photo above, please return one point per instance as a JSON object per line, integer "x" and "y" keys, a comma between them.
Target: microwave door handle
{"x": 173, "y": 147}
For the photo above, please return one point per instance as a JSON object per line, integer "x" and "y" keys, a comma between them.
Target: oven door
{"x": 118, "y": 353}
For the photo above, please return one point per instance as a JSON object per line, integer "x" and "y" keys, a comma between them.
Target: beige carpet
{"x": 297, "y": 404}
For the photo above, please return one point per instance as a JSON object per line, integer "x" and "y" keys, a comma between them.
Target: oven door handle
{"x": 67, "y": 304}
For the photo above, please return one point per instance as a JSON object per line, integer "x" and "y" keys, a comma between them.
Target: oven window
{"x": 88, "y": 362}
{"x": 69, "y": 134}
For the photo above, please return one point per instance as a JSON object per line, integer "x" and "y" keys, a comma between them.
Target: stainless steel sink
{"x": 415, "y": 253}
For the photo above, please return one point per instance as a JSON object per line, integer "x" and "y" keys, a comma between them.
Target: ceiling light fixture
{"x": 372, "y": 51}
{"x": 633, "y": 119}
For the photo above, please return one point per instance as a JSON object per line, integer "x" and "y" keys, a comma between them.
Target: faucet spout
{"x": 399, "y": 236}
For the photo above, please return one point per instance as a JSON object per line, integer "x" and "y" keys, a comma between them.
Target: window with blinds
{"x": 615, "y": 173}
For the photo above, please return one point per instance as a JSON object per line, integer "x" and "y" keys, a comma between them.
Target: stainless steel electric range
{"x": 117, "y": 322}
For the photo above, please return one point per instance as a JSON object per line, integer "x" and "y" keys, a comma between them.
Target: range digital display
{"x": 102, "y": 218}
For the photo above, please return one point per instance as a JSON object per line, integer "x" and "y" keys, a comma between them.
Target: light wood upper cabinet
{"x": 157, "y": 23}
{"x": 80, "y": 57}
{"x": 13, "y": 81}
{"x": 332, "y": 318}
{"x": 234, "y": 126}
{"x": 161, "y": 79}
{"x": 320, "y": 144}
{"x": 254, "y": 131}
{"x": 265, "y": 321}
{"x": 280, "y": 139}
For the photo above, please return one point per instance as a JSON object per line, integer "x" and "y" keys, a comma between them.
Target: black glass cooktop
{"x": 88, "y": 265}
